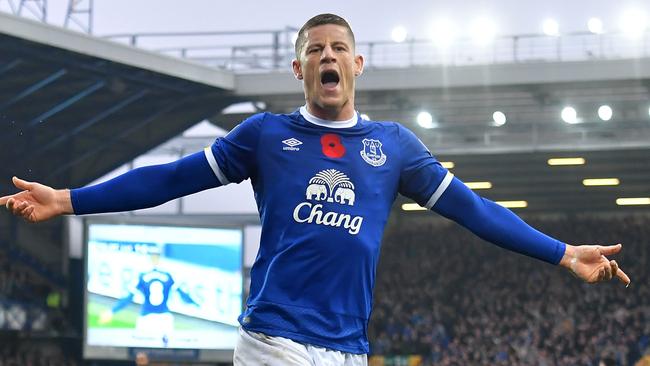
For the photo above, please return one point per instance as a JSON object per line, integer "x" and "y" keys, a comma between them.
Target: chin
{"x": 330, "y": 103}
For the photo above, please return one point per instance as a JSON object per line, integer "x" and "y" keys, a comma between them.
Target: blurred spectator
{"x": 141, "y": 359}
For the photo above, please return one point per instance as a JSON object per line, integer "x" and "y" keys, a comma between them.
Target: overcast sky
{"x": 371, "y": 20}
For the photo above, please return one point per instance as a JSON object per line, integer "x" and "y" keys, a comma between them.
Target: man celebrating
{"x": 325, "y": 180}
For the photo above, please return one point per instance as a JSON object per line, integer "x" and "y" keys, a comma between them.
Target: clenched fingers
{"x": 16, "y": 207}
{"x": 19, "y": 207}
{"x": 27, "y": 213}
{"x": 608, "y": 270}
{"x": 25, "y": 210}
{"x": 12, "y": 205}
{"x": 618, "y": 272}
{"x": 623, "y": 277}
{"x": 614, "y": 266}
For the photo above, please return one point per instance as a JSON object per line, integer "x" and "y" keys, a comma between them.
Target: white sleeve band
{"x": 441, "y": 189}
{"x": 215, "y": 167}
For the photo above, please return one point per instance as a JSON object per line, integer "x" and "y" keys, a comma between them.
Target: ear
{"x": 297, "y": 69}
{"x": 358, "y": 65}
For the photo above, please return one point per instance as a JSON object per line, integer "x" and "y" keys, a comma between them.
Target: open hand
{"x": 589, "y": 262}
{"x": 36, "y": 202}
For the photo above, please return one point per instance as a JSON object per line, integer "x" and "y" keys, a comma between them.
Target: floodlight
{"x": 499, "y": 118}
{"x": 413, "y": 207}
{"x": 633, "y": 201}
{"x": 595, "y": 25}
{"x": 513, "y": 204}
{"x": 399, "y": 34}
{"x": 634, "y": 23}
{"x": 569, "y": 115}
{"x": 566, "y": 161}
{"x": 478, "y": 185}
{"x": 605, "y": 112}
{"x": 425, "y": 120}
{"x": 551, "y": 27}
{"x": 596, "y": 182}
{"x": 443, "y": 33}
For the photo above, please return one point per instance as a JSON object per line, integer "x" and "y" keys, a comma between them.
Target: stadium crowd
{"x": 30, "y": 352}
{"x": 31, "y": 320}
{"x": 19, "y": 283}
{"x": 446, "y": 295}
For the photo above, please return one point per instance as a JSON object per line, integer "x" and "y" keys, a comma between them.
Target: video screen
{"x": 163, "y": 286}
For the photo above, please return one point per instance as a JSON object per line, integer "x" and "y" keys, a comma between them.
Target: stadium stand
{"x": 34, "y": 328}
{"x": 34, "y": 352}
{"x": 453, "y": 300}
{"x": 450, "y": 299}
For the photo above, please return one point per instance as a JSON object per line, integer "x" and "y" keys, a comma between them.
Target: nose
{"x": 327, "y": 55}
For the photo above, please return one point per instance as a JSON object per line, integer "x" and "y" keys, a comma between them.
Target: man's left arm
{"x": 502, "y": 227}
{"x": 423, "y": 179}
{"x": 186, "y": 297}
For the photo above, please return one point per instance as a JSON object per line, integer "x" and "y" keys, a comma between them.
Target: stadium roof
{"x": 559, "y": 189}
{"x": 74, "y": 107}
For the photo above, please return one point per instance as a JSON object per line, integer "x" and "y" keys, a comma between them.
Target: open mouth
{"x": 329, "y": 79}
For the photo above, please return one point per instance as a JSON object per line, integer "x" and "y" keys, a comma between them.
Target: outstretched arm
{"x": 186, "y": 297}
{"x": 139, "y": 188}
{"x": 501, "y": 226}
{"x": 107, "y": 316}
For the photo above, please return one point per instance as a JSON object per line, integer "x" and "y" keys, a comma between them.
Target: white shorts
{"x": 155, "y": 323}
{"x": 257, "y": 349}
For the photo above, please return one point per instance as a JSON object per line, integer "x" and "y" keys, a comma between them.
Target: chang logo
{"x": 329, "y": 186}
{"x": 332, "y": 186}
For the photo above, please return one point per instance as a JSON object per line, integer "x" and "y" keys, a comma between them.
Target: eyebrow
{"x": 320, "y": 44}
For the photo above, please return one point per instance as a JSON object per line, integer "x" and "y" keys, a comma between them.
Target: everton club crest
{"x": 372, "y": 153}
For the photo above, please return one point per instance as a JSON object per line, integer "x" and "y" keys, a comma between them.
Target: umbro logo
{"x": 291, "y": 144}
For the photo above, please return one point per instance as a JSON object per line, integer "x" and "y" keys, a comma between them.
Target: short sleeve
{"x": 422, "y": 178}
{"x": 233, "y": 158}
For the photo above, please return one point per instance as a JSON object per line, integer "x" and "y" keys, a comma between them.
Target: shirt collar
{"x": 327, "y": 123}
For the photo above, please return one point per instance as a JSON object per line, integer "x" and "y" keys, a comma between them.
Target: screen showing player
{"x": 163, "y": 286}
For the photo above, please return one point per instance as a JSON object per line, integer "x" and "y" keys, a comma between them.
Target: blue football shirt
{"x": 324, "y": 191}
{"x": 155, "y": 286}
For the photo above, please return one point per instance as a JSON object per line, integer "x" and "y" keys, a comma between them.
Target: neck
{"x": 332, "y": 114}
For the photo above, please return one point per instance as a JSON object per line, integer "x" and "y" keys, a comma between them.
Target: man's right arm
{"x": 230, "y": 159}
{"x": 146, "y": 187}
{"x": 139, "y": 188}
